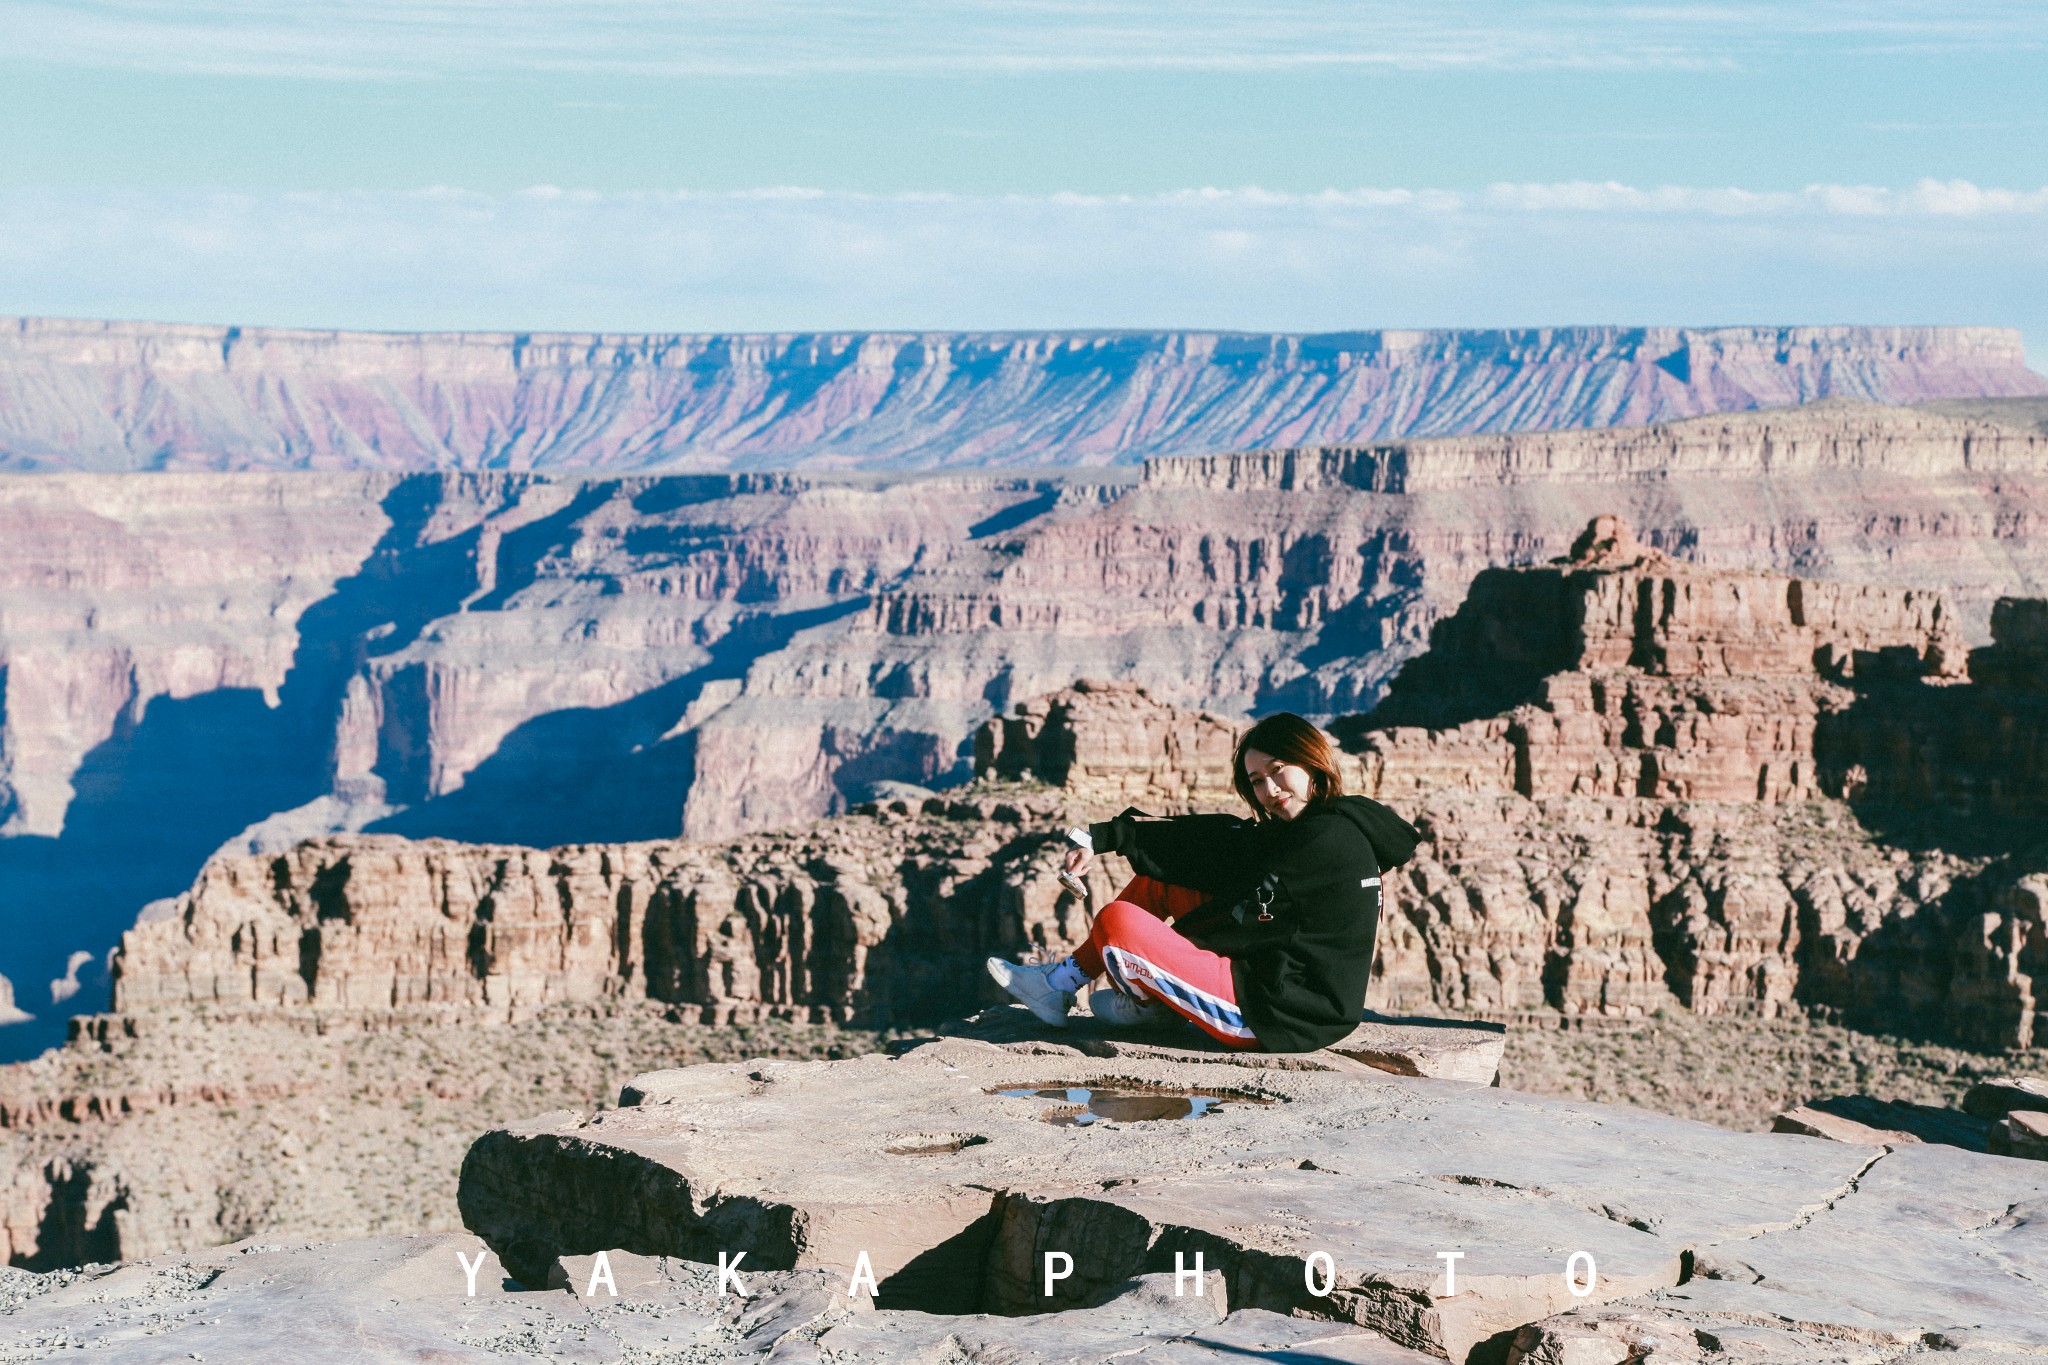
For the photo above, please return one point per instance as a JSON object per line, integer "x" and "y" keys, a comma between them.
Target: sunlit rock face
{"x": 133, "y": 396}
{"x": 241, "y": 661}
{"x": 1651, "y": 785}
{"x": 1664, "y": 802}
{"x": 1662, "y": 814}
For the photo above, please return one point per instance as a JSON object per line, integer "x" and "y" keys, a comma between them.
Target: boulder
{"x": 1996, "y": 1098}
{"x": 2022, "y": 1133}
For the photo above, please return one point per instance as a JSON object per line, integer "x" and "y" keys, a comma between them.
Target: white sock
{"x": 1067, "y": 976}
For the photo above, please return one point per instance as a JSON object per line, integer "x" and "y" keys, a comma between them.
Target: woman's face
{"x": 1282, "y": 788}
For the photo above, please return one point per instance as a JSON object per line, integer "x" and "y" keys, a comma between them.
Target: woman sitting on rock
{"x": 1258, "y": 932}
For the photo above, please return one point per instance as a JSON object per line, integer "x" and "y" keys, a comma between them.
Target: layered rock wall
{"x": 1675, "y": 827}
{"x": 870, "y": 918}
{"x": 1968, "y": 761}
{"x": 1645, "y": 678}
{"x": 1820, "y": 438}
{"x": 1109, "y": 744}
{"x": 138, "y": 396}
{"x": 1654, "y": 806}
{"x": 244, "y": 661}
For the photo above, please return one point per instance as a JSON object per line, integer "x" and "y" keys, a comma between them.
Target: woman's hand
{"x": 1079, "y": 860}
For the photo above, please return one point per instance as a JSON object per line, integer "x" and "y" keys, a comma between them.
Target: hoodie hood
{"x": 1393, "y": 839}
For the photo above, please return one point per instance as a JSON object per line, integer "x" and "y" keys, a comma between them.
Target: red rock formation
{"x": 870, "y": 917}
{"x": 1646, "y": 678}
{"x": 1958, "y": 759}
{"x": 245, "y": 661}
{"x": 1643, "y": 821}
{"x": 1109, "y": 744}
{"x": 1669, "y": 839}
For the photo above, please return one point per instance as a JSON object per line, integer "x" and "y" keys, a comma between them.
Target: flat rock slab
{"x": 1443, "y": 1049}
{"x": 349, "y": 1303}
{"x": 1933, "y": 1249}
{"x": 1821, "y": 1124}
{"x": 958, "y": 1193}
{"x": 1921, "y": 1122}
{"x": 408, "y": 1299}
{"x": 1150, "y": 1320}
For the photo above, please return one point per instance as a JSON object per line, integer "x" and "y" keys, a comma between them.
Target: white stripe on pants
{"x": 1136, "y": 976}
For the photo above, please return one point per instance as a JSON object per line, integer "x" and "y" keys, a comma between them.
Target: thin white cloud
{"x": 374, "y": 38}
{"x": 794, "y": 259}
{"x": 1952, "y": 198}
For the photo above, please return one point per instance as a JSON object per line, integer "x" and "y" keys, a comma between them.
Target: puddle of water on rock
{"x": 1083, "y": 1105}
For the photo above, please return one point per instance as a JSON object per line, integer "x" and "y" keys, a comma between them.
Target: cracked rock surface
{"x": 392, "y": 1299}
{"x": 958, "y": 1191}
{"x": 373, "y": 1300}
{"x": 1709, "y": 1245}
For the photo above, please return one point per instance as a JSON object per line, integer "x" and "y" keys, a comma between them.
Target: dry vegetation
{"x": 1739, "y": 1072}
{"x": 270, "y": 1129}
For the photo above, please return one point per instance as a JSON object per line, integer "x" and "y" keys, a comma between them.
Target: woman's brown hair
{"x": 1290, "y": 739}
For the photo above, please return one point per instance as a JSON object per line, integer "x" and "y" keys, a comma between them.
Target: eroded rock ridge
{"x": 243, "y": 661}
{"x": 1662, "y": 799}
{"x": 1642, "y": 782}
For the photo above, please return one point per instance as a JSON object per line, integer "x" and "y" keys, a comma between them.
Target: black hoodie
{"x": 1294, "y": 904}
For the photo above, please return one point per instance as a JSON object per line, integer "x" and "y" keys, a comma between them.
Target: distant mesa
{"x": 117, "y": 396}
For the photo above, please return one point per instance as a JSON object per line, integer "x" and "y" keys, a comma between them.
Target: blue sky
{"x": 772, "y": 165}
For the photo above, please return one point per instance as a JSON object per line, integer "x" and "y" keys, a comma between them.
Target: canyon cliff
{"x": 217, "y": 662}
{"x": 1672, "y": 793}
{"x": 1646, "y": 786}
{"x": 1654, "y": 798}
{"x": 117, "y": 396}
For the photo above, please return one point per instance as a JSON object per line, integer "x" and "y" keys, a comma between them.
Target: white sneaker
{"x": 1027, "y": 984}
{"x": 1118, "y": 1010}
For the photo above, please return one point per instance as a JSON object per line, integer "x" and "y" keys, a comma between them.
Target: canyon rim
{"x": 372, "y": 784}
{"x": 208, "y": 662}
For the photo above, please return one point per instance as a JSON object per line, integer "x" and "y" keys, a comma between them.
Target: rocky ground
{"x": 296, "y": 1134}
{"x": 404, "y": 1299}
{"x": 956, "y": 1174}
{"x": 1712, "y": 1245}
{"x": 282, "y": 1132}
{"x": 1739, "y": 1073}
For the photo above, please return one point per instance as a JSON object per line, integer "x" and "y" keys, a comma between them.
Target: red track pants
{"x": 1148, "y": 960}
